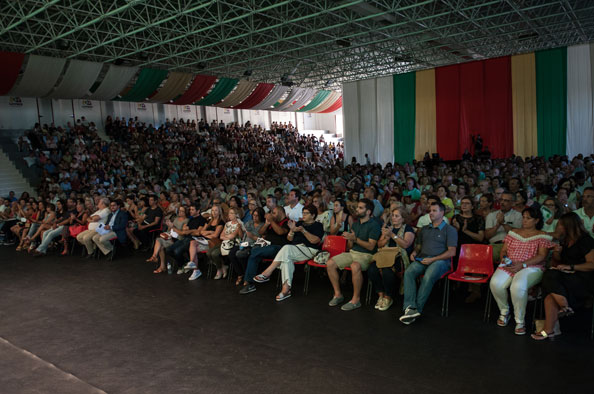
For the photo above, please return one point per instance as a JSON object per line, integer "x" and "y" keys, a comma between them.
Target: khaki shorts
{"x": 344, "y": 260}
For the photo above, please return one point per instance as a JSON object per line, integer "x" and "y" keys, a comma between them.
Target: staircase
{"x": 11, "y": 179}
{"x": 15, "y": 175}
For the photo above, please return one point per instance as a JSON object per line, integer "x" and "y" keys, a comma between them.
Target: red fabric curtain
{"x": 198, "y": 89}
{"x": 9, "y": 70}
{"x": 499, "y": 128}
{"x": 447, "y": 107}
{"x": 474, "y": 98}
{"x": 337, "y": 104}
{"x": 256, "y": 97}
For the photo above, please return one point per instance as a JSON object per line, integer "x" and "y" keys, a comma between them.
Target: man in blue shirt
{"x": 436, "y": 245}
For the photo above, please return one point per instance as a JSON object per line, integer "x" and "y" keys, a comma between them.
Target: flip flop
{"x": 565, "y": 312}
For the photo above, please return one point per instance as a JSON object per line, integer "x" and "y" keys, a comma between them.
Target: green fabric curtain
{"x": 551, "y": 101}
{"x": 219, "y": 92}
{"x": 404, "y": 117}
{"x": 317, "y": 100}
{"x": 148, "y": 81}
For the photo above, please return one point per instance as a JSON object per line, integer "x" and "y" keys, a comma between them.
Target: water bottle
{"x": 169, "y": 268}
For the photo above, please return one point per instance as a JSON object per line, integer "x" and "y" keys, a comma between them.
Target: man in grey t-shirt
{"x": 431, "y": 258}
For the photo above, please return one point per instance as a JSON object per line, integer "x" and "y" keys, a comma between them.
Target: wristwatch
{"x": 572, "y": 267}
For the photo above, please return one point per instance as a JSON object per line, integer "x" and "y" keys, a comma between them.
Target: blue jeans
{"x": 431, "y": 273}
{"x": 178, "y": 249}
{"x": 256, "y": 256}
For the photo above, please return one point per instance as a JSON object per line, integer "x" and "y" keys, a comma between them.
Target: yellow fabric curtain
{"x": 425, "y": 116}
{"x": 524, "y": 104}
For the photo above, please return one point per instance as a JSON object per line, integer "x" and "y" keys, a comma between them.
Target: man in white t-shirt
{"x": 295, "y": 208}
{"x": 97, "y": 218}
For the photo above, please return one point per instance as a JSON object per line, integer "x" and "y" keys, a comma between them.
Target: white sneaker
{"x": 379, "y": 302}
{"x": 410, "y": 315}
{"x": 180, "y": 271}
{"x": 190, "y": 265}
{"x": 195, "y": 275}
{"x": 386, "y": 304}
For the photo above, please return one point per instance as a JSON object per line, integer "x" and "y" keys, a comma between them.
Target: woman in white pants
{"x": 527, "y": 249}
{"x": 305, "y": 237}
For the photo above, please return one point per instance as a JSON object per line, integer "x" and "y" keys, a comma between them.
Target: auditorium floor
{"x": 118, "y": 328}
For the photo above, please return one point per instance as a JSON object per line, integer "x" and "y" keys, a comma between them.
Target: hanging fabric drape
{"x": 9, "y": 70}
{"x": 447, "y": 110}
{"x": 173, "y": 87}
{"x": 115, "y": 80}
{"x": 368, "y": 120}
{"x": 551, "y": 101}
{"x": 295, "y": 95}
{"x": 334, "y": 107}
{"x": 498, "y": 127}
{"x": 198, "y": 89}
{"x": 257, "y": 96}
{"x": 425, "y": 114}
{"x": 404, "y": 117}
{"x": 317, "y": 100}
{"x": 580, "y": 125}
{"x": 331, "y": 99}
{"x": 272, "y": 98}
{"x": 243, "y": 90}
{"x": 41, "y": 74}
{"x": 80, "y": 75}
{"x": 307, "y": 96}
{"x": 148, "y": 81}
{"x": 524, "y": 105}
{"x": 219, "y": 91}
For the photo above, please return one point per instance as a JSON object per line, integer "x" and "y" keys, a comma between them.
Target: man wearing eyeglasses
{"x": 498, "y": 223}
{"x": 586, "y": 212}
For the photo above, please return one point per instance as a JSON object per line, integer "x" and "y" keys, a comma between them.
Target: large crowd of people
{"x": 228, "y": 195}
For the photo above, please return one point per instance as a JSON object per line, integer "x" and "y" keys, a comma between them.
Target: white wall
{"x": 61, "y": 111}
{"x": 18, "y": 116}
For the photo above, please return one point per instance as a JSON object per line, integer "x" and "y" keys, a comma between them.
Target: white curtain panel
{"x": 580, "y": 122}
{"x": 350, "y": 114}
{"x": 385, "y": 120}
{"x": 295, "y": 94}
{"x": 275, "y": 94}
{"x": 78, "y": 79}
{"x": 307, "y": 97}
{"x": 368, "y": 116}
{"x": 41, "y": 74}
{"x": 115, "y": 80}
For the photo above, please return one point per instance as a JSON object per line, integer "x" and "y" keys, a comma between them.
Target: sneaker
{"x": 195, "y": 275}
{"x": 180, "y": 271}
{"x": 386, "y": 304}
{"x": 247, "y": 289}
{"x": 410, "y": 315}
{"x": 379, "y": 302}
{"x": 349, "y": 306}
{"x": 261, "y": 278}
{"x": 190, "y": 265}
{"x": 336, "y": 301}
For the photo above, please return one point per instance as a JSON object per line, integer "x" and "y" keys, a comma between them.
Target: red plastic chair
{"x": 475, "y": 265}
{"x": 333, "y": 244}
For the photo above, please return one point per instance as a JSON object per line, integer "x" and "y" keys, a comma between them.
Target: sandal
{"x": 520, "y": 329}
{"x": 283, "y": 296}
{"x": 541, "y": 336}
{"x": 151, "y": 259}
{"x": 159, "y": 271}
{"x": 565, "y": 312}
{"x": 239, "y": 281}
{"x": 261, "y": 278}
{"x": 19, "y": 248}
{"x": 503, "y": 320}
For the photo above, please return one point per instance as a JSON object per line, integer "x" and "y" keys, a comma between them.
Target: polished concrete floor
{"x": 69, "y": 325}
